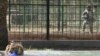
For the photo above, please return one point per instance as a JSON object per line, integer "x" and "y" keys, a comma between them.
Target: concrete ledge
{"x": 62, "y": 44}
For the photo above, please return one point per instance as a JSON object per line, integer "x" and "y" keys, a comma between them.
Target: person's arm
{"x": 7, "y": 48}
{"x": 84, "y": 15}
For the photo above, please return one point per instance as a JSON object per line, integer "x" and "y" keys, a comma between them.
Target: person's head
{"x": 91, "y": 8}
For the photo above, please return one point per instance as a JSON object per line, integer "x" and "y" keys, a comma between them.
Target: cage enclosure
{"x": 52, "y": 20}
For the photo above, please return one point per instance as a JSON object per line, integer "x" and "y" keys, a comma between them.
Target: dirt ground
{"x": 40, "y": 34}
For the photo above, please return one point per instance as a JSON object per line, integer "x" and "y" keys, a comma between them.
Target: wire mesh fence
{"x": 50, "y": 20}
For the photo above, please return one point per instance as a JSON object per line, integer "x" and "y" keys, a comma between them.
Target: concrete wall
{"x": 62, "y": 44}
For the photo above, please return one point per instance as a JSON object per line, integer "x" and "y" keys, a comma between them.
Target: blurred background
{"x": 50, "y": 20}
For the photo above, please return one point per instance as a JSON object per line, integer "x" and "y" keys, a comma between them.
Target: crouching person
{"x": 14, "y": 49}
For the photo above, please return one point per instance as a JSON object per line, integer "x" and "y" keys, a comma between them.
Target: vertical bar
{"x": 48, "y": 21}
{"x": 9, "y": 16}
{"x": 24, "y": 18}
{"x": 28, "y": 16}
{"x": 62, "y": 18}
{"x": 97, "y": 10}
{"x": 32, "y": 14}
{"x": 19, "y": 9}
{"x": 59, "y": 15}
{"x": 80, "y": 22}
{"x": 80, "y": 15}
{"x": 75, "y": 16}
{"x": 37, "y": 17}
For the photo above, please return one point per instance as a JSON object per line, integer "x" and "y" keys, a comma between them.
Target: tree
{"x": 3, "y": 26}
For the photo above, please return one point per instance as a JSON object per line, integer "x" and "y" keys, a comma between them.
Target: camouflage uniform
{"x": 88, "y": 18}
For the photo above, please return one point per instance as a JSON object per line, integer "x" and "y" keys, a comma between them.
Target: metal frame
{"x": 59, "y": 16}
{"x": 53, "y": 41}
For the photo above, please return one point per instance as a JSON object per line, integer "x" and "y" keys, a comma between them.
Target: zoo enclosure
{"x": 49, "y": 19}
